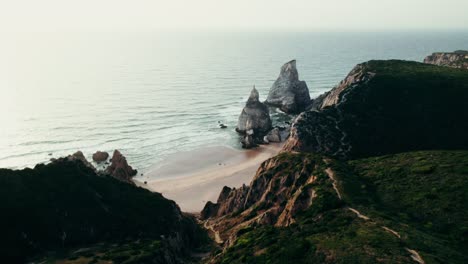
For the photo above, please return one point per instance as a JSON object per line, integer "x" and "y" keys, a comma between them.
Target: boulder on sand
{"x": 274, "y": 135}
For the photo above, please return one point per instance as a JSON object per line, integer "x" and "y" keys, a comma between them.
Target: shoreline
{"x": 193, "y": 178}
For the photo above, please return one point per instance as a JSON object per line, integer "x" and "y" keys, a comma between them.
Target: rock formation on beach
{"x": 254, "y": 121}
{"x": 274, "y": 135}
{"x": 100, "y": 156}
{"x": 120, "y": 169}
{"x": 289, "y": 93}
{"x": 384, "y": 107}
{"x": 456, "y": 59}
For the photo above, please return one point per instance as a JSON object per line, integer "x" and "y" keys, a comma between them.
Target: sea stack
{"x": 289, "y": 93}
{"x": 254, "y": 120}
{"x": 120, "y": 169}
{"x": 456, "y": 59}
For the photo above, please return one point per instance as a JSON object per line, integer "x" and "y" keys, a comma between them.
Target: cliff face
{"x": 283, "y": 187}
{"x": 304, "y": 208}
{"x": 456, "y": 59}
{"x": 320, "y": 201}
{"x": 66, "y": 204}
{"x": 289, "y": 93}
{"x": 385, "y": 107}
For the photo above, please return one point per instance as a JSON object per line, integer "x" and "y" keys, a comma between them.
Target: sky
{"x": 269, "y": 15}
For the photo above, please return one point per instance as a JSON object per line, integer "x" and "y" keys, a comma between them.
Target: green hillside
{"x": 421, "y": 196}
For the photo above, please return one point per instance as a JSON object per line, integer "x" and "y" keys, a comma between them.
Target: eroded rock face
{"x": 120, "y": 169}
{"x": 100, "y": 156}
{"x": 358, "y": 75}
{"x": 229, "y": 200}
{"x": 254, "y": 121}
{"x": 456, "y": 59}
{"x": 385, "y": 107}
{"x": 283, "y": 186}
{"x": 289, "y": 93}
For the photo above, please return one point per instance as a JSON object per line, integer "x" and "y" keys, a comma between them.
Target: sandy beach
{"x": 193, "y": 178}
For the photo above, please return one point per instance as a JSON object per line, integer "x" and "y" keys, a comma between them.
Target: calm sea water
{"x": 154, "y": 94}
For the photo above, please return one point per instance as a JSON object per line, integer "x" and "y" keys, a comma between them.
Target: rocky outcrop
{"x": 282, "y": 187}
{"x": 229, "y": 200}
{"x": 65, "y": 205}
{"x": 120, "y": 169}
{"x": 77, "y": 156}
{"x": 100, "y": 156}
{"x": 456, "y": 59}
{"x": 385, "y": 107}
{"x": 289, "y": 93}
{"x": 254, "y": 121}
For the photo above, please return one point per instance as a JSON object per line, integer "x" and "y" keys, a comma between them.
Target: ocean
{"x": 153, "y": 94}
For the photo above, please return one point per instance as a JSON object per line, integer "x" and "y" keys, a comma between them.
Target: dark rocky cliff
{"x": 66, "y": 205}
{"x": 385, "y": 107}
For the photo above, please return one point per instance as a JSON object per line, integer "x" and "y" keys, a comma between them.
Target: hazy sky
{"x": 51, "y": 15}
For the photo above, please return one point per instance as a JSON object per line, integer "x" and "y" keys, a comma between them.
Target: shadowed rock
{"x": 288, "y": 93}
{"x": 274, "y": 135}
{"x": 76, "y": 156}
{"x": 100, "y": 156}
{"x": 385, "y": 107}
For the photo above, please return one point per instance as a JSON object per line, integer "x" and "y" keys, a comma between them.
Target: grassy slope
{"x": 407, "y": 106}
{"x": 419, "y": 194}
{"x": 65, "y": 205}
{"x": 423, "y": 194}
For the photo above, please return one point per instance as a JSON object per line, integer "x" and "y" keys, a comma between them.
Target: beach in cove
{"x": 195, "y": 177}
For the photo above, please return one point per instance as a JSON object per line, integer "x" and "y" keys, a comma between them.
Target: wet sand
{"x": 193, "y": 178}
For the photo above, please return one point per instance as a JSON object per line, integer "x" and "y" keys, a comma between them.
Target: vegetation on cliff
{"x": 385, "y": 107}
{"x": 65, "y": 205}
{"x": 399, "y": 208}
